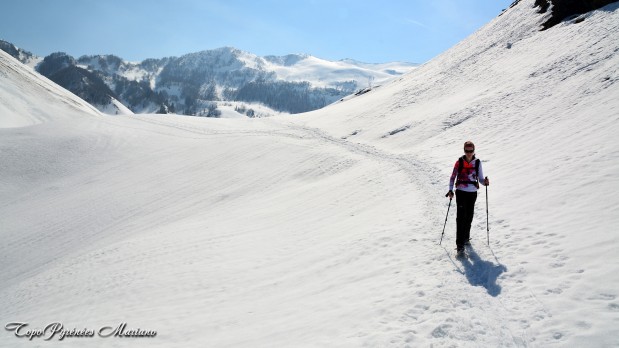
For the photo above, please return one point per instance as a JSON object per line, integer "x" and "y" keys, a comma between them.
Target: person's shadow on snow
{"x": 482, "y": 273}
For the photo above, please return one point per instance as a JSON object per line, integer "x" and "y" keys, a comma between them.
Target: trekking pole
{"x": 442, "y": 234}
{"x": 487, "y": 223}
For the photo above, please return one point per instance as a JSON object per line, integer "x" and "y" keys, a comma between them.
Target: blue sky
{"x": 369, "y": 31}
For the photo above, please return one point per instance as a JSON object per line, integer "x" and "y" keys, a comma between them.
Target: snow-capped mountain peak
{"x": 192, "y": 83}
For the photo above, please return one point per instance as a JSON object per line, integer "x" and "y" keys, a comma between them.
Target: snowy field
{"x": 322, "y": 229}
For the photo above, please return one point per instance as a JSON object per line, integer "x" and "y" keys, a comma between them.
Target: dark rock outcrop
{"x": 62, "y": 69}
{"x": 562, "y": 9}
{"x": 17, "y": 53}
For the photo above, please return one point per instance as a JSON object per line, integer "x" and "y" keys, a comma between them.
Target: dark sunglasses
{"x": 469, "y": 151}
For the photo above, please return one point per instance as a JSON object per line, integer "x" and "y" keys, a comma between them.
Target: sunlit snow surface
{"x": 322, "y": 229}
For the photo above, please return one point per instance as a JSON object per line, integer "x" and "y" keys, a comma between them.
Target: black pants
{"x": 466, "y": 208}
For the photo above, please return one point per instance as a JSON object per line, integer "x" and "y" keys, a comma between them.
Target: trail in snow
{"x": 483, "y": 271}
{"x": 403, "y": 256}
{"x": 480, "y": 272}
{"x": 322, "y": 229}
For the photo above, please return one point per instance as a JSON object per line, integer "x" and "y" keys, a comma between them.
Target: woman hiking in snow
{"x": 466, "y": 174}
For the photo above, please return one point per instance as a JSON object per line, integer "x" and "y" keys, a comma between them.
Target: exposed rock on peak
{"x": 562, "y": 9}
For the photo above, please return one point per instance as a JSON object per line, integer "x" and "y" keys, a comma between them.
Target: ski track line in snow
{"x": 478, "y": 273}
{"x": 428, "y": 250}
{"x": 460, "y": 287}
{"x": 417, "y": 170}
{"x": 502, "y": 319}
{"x": 206, "y": 132}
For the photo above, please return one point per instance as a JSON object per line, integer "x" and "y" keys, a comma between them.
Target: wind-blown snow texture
{"x": 322, "y": 229}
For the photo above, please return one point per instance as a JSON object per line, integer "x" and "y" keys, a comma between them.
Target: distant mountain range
{"x": 197, "y": 83}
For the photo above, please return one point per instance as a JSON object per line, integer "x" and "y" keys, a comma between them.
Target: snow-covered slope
{"x": 115, "y": 108}
{"x": 543, "y": 109}
{"x": 322, "y": 229}
{"x": 27, "y": 98}
{"x": 293, "y": 68}
{"x": 293, "y": 83}
{"x": 324, "y": 73}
